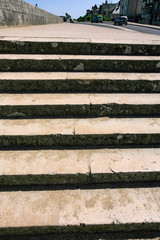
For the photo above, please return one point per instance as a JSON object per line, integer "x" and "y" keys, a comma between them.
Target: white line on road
{"x": 112, "y": 26}
{"x": 118, "y": 27}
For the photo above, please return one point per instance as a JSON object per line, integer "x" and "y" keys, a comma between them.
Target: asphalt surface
{"x": 129, "y": 27}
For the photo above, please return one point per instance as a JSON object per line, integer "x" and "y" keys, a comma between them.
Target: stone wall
{"x": 18, "y": 12}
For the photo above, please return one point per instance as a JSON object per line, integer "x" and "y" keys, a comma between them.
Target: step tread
{"x": 118, "y": 125}
{"x": 78, "y": 76}
{"x": 66, "y": 57}
{"x": 103, "y": 161}
{"x": 104, "y": 125}
{"x": 78, "y": 99}
{"x": 75, "y": 207}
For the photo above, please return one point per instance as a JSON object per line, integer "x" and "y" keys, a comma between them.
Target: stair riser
{"x": 73, "y": 141}
{"x": 144, "y": 229}
{"x": 98, "y": 110}
{"x": 81, "y": 179}
{"x": 137, "y": 235}
{"x": 98, "y": 86}
{"x": 15, "y": 47}
{"x": 80, "y": 65}
{"x": 56, "y": 200}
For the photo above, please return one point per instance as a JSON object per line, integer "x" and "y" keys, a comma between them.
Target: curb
{"x": 145, "y": 25}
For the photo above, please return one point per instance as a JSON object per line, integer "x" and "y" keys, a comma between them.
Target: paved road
{"x": 129, "y": 27}
{"x": 81, "y": 32}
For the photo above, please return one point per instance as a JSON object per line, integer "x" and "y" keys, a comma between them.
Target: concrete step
{"x": 99, "y": 211}
{"x": 80, "y": 105}
{"x": 78, "y": 82}
{"x": 42, "y": 133}
{"x": 45, "y": 167}
{"x": 64, "y": 174}
{"x": 33, "y": 47}
{"x": 79, "y": 63}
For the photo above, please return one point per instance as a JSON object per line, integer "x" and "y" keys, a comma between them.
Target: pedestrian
{"x": 70, "y": 19}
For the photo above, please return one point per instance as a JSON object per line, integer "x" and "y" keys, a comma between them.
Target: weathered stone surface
{"x": 22, "y": 13}
{"x": 45, "y": 167}
{"x": 31, "y": 127}
{"x": 44, "y": 162}
{"x": 89, "y": 48}
{"x": 79, "y": 82}
{"x": 36, "y": 127}
{"x": 44, "y": 63}
{"x": 74, "y": 141}
{"x": 79, "y": 76}
{"x": 118, "y": 125}
{"x": 85, "y": 236}
{"x": 80, "y": 105}
{"x": 112, "y": 208}
{"x": 114, "y": 190}
{"x": 79, "y": 132}
{"x": 78, "y": 99}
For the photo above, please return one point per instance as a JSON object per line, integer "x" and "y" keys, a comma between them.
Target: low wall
{"x": 18, "y": 12}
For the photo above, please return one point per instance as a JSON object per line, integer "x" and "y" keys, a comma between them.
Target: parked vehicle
{"x": 121, "y": 20}
{"x": 97, "y": 19}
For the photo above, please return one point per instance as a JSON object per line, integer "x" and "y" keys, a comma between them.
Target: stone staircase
{"x": 79, "y": 141}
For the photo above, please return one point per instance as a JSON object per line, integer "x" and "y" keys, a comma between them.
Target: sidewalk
{"x": 144, "y": 25}
{"x": 67, "y": 32}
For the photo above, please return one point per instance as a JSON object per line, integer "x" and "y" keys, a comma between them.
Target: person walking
{"x": 70, "y": 19}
